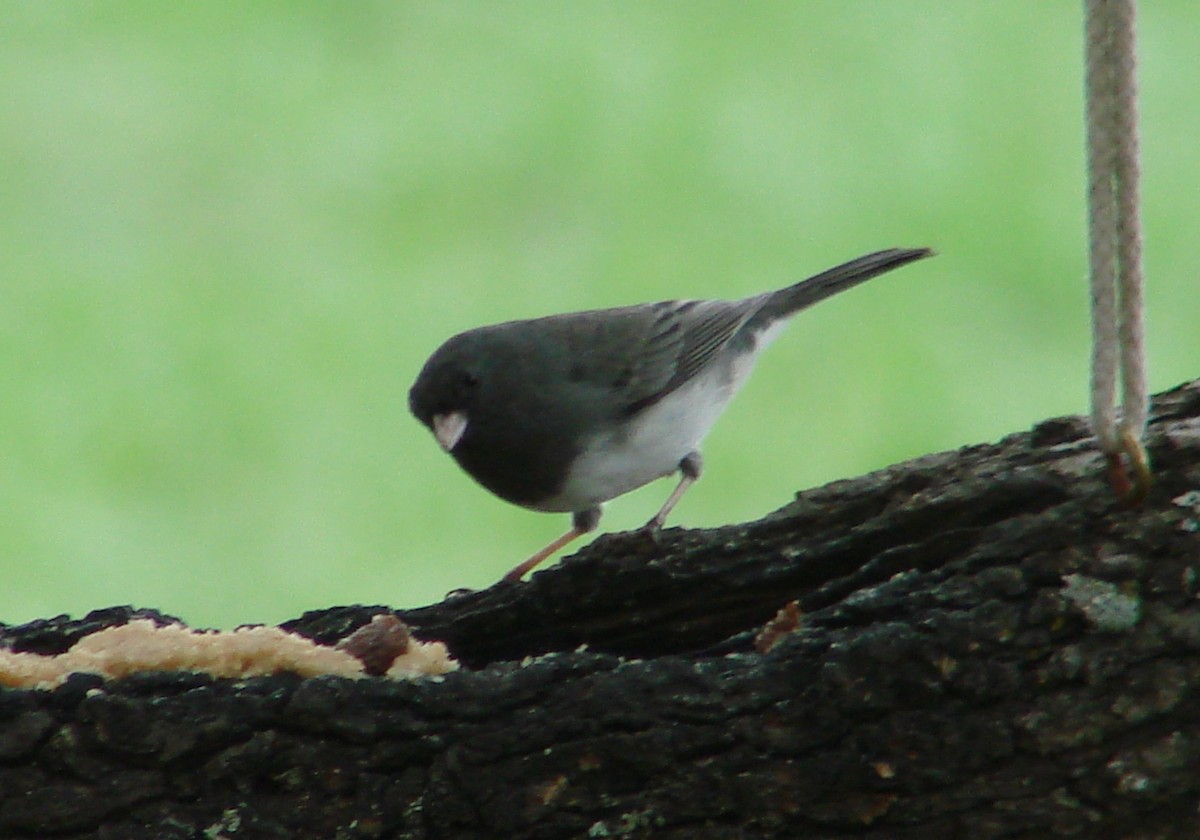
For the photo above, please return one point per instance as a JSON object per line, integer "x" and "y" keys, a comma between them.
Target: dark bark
{"x": 990, "y": 647}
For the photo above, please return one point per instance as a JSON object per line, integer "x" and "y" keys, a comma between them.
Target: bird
{"x": 563, "y": 413}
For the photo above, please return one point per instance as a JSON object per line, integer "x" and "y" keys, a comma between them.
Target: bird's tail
{"x": 788, "y": 301}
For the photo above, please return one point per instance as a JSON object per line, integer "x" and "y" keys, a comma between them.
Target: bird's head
{"x": 447, "y": 389}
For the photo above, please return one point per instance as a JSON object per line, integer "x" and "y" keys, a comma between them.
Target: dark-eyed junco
{"x": 566, "y": 412}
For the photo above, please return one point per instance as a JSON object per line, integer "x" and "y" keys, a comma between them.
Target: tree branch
{"x": 989, "y": 646}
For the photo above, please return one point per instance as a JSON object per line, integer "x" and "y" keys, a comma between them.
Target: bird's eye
{"x": 468, "y": 381}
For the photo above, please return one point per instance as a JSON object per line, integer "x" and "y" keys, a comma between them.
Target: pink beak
{"x": 449, "y": 428}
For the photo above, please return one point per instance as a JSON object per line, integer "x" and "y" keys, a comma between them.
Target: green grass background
{"x": 231, "y": 232}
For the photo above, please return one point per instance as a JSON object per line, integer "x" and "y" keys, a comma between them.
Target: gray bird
{"x": 565, "y": 412}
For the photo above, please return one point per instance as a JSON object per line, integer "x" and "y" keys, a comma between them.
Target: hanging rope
{"x": 1115, "y": 246}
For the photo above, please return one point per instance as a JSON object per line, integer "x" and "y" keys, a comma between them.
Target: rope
{"x": 1115, "y": 245}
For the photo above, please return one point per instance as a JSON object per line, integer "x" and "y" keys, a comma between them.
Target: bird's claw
{"x": 650, "y": 531}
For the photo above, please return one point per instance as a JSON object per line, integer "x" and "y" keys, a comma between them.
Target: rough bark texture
{"x": 990, "y": 647}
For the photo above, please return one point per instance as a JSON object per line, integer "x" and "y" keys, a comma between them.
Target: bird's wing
{"x": 639, "y": 354}
{"x": 678, "y": 339}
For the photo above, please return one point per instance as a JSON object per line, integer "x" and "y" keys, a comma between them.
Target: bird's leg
{"x": 582, "y": 521}
{"x": 689, "y": 470}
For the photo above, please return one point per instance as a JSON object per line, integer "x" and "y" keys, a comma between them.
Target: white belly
{"x": 654, "y": 442}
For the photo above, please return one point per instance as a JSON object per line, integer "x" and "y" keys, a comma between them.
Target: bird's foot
{"x": 649, "y": 533}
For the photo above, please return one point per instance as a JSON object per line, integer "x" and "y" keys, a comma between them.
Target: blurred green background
{"x": 232, "y": 232}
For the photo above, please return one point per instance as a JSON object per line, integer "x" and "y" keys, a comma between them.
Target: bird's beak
{"x": 449, "y": 428}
